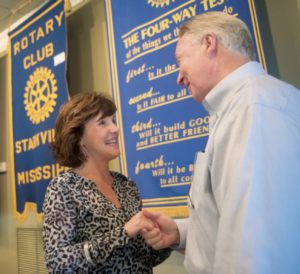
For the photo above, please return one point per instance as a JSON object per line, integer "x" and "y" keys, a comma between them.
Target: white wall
{"x": 285, "y": 24}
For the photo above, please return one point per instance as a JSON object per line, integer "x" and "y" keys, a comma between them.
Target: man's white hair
{"x": 231, "y": 32}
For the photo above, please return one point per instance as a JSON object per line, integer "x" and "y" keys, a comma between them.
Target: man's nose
{"x": 179, "y": 79}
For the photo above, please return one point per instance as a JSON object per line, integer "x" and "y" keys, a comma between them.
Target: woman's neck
{"x": 97, "y": 172}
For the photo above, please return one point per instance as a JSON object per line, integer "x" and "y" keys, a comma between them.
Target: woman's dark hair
{"x": 70, "y": 125}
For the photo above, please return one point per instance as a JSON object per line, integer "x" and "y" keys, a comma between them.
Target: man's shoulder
{"x": 268, "y": 91}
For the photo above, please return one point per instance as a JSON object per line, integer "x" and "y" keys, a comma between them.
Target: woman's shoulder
{"x": 66, "y": 179}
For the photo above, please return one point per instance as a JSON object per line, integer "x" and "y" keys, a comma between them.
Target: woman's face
{"x": 100, "y": 138}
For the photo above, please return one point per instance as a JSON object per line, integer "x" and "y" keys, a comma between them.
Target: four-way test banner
{"x": 161, "y": 126}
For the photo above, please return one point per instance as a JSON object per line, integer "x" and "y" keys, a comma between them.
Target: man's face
{"x": 195, "y": 67}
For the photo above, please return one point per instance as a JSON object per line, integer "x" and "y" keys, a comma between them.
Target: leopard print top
{"x": 83, "y": 231}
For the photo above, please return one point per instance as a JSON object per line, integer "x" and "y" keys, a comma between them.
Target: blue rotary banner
{"x": 38, "y": 88}
{"x": 161, "y": 126}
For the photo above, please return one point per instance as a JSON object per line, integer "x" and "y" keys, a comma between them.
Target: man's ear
{"x": 210, "y": 42}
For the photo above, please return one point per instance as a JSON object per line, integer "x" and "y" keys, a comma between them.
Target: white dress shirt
{"x": 245, "y": 194}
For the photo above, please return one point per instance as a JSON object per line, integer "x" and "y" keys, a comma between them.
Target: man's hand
{"x": 164, "y": 232}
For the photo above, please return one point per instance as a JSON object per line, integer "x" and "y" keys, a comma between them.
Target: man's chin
{"x": 197, "y": 98}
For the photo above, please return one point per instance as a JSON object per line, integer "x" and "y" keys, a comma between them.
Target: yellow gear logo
{"x": 40, "y": 95}
{"x": 159, "y": 3}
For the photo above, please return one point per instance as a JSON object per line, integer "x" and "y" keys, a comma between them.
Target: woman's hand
{"x": 138, "y": 223}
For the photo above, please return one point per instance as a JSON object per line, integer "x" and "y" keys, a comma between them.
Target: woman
{"x": 92, "y": 216}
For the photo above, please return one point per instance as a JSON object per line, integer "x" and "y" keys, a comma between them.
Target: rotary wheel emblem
{"x": 40, "y": 95}
{"x": 159, "y": 3}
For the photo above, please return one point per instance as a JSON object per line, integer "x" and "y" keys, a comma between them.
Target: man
{"x": 245, "y": 195}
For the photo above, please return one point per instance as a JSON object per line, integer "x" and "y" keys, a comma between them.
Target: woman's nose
{"x": 114, "y": 128}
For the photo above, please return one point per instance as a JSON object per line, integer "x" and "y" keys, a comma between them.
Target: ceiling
{"x": 12, "y": 10}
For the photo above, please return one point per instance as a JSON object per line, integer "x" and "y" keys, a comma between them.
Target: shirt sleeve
{"x": 63, "y": 253}
{"x": 182, "y": 225}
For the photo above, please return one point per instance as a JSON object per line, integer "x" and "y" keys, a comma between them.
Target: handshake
{"x": 158, "y": 230}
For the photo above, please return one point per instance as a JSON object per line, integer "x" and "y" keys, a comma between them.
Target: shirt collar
{"x": 222, "y": 92}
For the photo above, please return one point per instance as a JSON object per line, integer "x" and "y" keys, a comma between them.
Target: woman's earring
{"x": 84, "y": 151}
